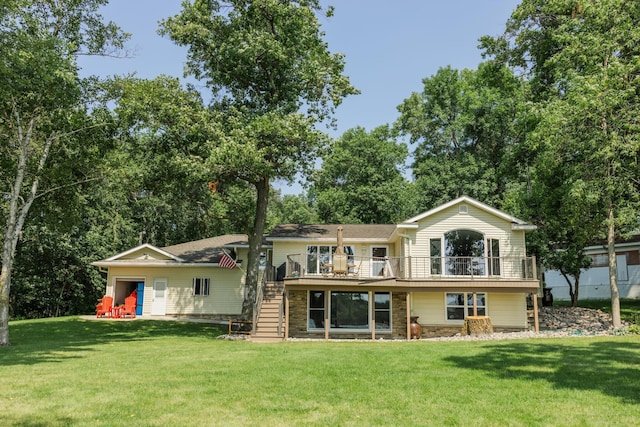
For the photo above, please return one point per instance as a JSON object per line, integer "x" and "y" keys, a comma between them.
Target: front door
{"x": 158, "y": 303}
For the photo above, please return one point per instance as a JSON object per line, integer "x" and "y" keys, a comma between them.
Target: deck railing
{"x": 303, "y": 265}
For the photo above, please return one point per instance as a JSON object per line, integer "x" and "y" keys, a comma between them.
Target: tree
{"x": 361, "y": 180}
{"x": 464, "y": 125}
{"x": 586, "y": 53}
{"x": 274, "y": 78}
{"x": 166, "y": 133}
{"x": 42, "y": 109}
{"x": 290, "y": 209}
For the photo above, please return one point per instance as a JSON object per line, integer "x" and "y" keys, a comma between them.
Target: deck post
{"x": 373, "y": 324}
{"x": 326, "y": 325}
{"x": 535, "y": 312}
{"x": 408, "y": 317}
{"x": 286, "y": 317}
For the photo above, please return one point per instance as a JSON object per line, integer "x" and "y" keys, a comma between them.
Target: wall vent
{"x": 463, "y": 209}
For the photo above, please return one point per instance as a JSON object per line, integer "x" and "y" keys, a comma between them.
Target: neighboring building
{"x": 594, "y": 281}
{"x": 354, "y": 281}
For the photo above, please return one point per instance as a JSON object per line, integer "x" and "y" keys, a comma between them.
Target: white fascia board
{"x": 136, "y": 263}
{"x": 525, "y": 227}
{"x": 145, "y": 246}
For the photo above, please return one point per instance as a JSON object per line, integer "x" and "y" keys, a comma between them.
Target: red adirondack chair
{"x": 129, "y": 308}
{"x": 104, "y": 307}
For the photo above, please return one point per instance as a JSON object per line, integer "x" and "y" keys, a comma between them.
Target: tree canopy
{"x": 273, "y": 79}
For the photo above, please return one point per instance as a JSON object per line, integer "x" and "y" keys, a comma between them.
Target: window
{"x": 350, "y": 311}
{"x": 201, "y": 286}
{"x": 382, "y": 313}
{"x": 459, "y": 303}
{"x": 319, "y": 256}
{"x": 316, "y": 309}
{"x": 464, "y": 251}
{"x": 493, "y": 256}
{"x": 436, "y": 254}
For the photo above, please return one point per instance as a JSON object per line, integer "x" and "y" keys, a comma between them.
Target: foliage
{"x": 52, "y": 375}
{"x": 166, "y": 138}
{"x": 585, "y": 54}
{"x": 273, "y": 79}
{"x": 290, "y": 209}
{"x": 361, "y": 180}
{"x": 464, "y": 125}
{"x": 53, "y": 276}
{"x": 43, "y": 110}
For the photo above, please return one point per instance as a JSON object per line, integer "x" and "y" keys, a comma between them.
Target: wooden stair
{"x": 268, "y": 317}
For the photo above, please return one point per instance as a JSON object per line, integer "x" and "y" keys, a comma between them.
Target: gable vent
{"x": 463, "y": 209}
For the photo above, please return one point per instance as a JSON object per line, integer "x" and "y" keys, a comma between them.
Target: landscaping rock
{"x": 574, "y": 320}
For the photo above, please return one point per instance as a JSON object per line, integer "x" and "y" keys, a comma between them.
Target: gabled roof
{"x": 207, "y": 250}
{"x": 517, "y": 223}
{"x": 328, "y": 232}
{"x": 152, "y": 248}
{"x": 204, "y": 251}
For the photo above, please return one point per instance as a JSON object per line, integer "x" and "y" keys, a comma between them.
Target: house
{"x": 462, "y": 260}
{"x": 594, "y": 281}
{"x": 180, "y": 280}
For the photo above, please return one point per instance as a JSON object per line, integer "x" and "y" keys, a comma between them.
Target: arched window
{"x": 464, "y": 253}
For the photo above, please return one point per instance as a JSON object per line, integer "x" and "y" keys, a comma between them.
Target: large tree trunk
{"x": 19, "y": 206}
{"x": 255, "y": 245}
{"x": 5, "y": 285}
{"x": 613, "y": 271}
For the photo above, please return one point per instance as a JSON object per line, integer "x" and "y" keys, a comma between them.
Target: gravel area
{"x": 554, "y": 322}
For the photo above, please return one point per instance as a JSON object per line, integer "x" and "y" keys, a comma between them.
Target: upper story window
{"x": 464, "y": 251}
{"x": 319, "y": 256}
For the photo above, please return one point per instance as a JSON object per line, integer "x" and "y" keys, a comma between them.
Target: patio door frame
{"x": 377, "y": 264}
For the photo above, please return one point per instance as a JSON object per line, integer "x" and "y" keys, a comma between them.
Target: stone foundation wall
{"x": 434, "y": 331}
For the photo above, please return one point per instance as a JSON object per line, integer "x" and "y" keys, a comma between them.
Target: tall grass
{"x": 74, "y": 372}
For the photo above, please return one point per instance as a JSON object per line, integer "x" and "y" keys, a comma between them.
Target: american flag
{"x": 226, "y": 261}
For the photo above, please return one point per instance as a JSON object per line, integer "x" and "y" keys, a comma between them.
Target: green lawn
{"x": 74, "y": 372}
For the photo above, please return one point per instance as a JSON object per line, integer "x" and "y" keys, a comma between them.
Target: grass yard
{"x": 74, "y": 372}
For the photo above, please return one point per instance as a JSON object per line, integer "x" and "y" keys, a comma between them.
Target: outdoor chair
{"x": 340, "y": 265}
{"x": 104, "y": 307}
{"x": 129, "y": 307}
{"x": 354, "y": 269}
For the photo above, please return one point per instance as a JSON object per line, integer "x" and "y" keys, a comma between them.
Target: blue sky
{"x": 390, "y": 46}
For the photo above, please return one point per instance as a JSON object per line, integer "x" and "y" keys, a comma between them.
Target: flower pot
{"x": 416, "y": 329}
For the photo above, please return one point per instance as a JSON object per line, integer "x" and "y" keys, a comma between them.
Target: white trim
{"x": 145, "y": 246}
{"x": 523, "y": 227}
{"x": 312, "y": 240}
{"x": 137, "y": 263}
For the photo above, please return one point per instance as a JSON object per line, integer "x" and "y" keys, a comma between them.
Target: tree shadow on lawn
{"x": 611, "y": 367}
{"x": 50, "y": 340}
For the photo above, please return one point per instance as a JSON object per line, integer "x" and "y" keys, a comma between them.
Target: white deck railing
{"x": 303, "y": 265}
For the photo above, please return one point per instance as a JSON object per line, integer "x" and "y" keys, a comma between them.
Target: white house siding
{"x": 430, "y": 307}
{"x": 512, "y": 243}
{"x": 594, "y": 284}
{"x": 225, "y": 291}
{"x": 507, "y": 310}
